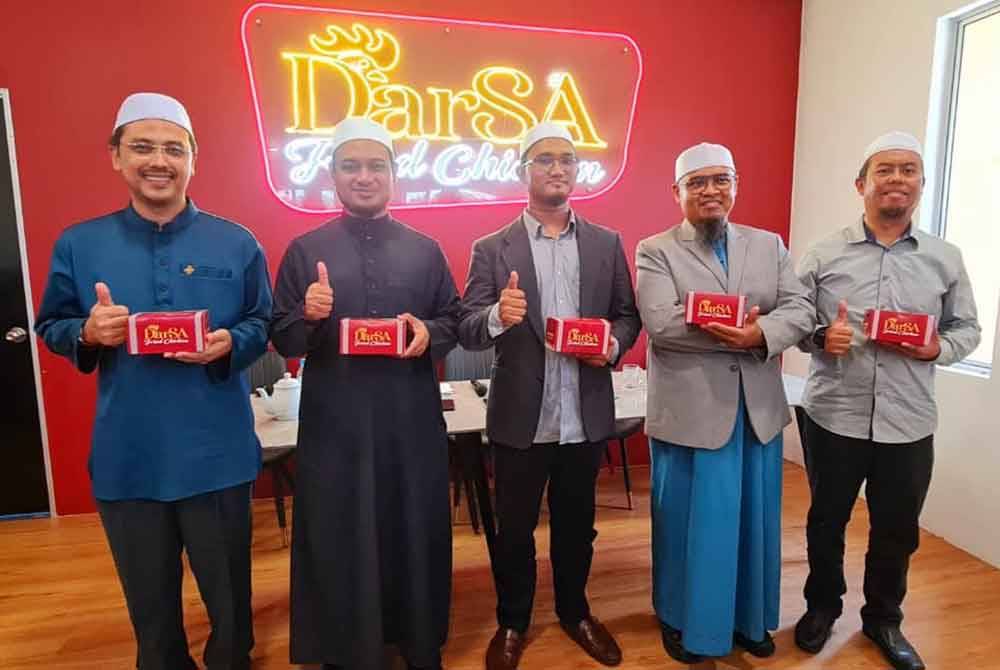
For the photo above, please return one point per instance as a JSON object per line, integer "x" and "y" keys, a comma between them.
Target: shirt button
{"x": 163, "y": 262}
{"x": 371, "y": 285}
{"x": 163, "y": 288}
{"x": 885, "y": 277}
{"x": 371, "y": 261}
{"x": 373, "y": 312}
{"x": 734, "y": 367}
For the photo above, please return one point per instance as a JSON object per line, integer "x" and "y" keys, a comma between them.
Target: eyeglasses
{"x": 723, "y": 182}
{"x": 547, "y": 161}
{"x": 176, "y": 151}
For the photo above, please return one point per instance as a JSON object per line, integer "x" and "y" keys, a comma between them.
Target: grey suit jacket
{"x": 515, "y": 398}
{"x": 694, "y": 380}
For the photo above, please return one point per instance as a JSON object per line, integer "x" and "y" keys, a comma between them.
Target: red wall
{"x": 725, "y": 71}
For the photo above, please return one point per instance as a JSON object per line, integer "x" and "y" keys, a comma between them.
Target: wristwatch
{"x": 79, "y": 338}
{"x": 819, "y": 337}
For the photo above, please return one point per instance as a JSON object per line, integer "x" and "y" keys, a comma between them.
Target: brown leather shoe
{"x": 504, "y": 652}
{"x": 596, "y": 640}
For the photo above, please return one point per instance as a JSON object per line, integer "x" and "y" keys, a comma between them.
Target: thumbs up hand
{"x": 107, "y": 324}
{"x": 319, "y": 296}
{"x": 513, "y": 305}
{"x": 839, "y": 333}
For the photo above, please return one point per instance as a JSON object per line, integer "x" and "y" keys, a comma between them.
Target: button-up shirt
{"x": 557, "y": 267}
{"x": 874, "y": 392}
{"x": 164, "y": 430}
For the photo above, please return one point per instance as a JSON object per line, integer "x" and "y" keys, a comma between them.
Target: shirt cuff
{"x": 613, "y": 353}
{"x": 494, "y": 325}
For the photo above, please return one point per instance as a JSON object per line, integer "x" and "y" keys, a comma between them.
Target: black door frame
{"x": 29, "y": 303}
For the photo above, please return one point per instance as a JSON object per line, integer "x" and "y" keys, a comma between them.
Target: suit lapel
{"x": 591, "y": 266}
{"x": 736, "y": 250}
{"x": 517, "y": 256}
{"x": 703, "y": 253}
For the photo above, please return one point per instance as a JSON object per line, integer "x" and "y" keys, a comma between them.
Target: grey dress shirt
{"x": 873, "y": 392}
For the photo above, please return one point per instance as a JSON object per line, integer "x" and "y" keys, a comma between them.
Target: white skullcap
{"x": 544, "y": 131}
{"x": 141, "y": 106}
{"x": 893, "y": 140}
{"x": 702, "y": 156}
{"x": 359, "y": 128}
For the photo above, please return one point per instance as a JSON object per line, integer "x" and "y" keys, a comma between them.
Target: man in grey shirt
{"x": 870, "y": 406}
{"x": 549, "y": 415}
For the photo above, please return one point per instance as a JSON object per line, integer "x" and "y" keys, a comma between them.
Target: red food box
{"x": 898, "y": 327}
{"x": 372, "y": 337}
{"x": 167, "y": 332}
{"x": 702, "y": 308}
{"x": 578, "y": 337}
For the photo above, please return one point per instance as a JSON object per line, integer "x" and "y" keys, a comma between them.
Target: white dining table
{"x": 469, "y": 415}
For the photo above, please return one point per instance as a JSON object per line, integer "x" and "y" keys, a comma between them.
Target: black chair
{"x": 624, "y": 429}
{"x": 462, "y": 365}
{"x": 266, "y": 370}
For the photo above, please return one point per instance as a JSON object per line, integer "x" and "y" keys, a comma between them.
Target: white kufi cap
{"x": 142, "y": 106}
{"x": 544, "y": 131}
{"x": 893, "y": 140}
{"x": 702, "y": 156}
{"x": 359, "y": 128}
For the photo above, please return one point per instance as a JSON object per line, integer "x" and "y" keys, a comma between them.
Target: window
{"x": 963, "y": 191}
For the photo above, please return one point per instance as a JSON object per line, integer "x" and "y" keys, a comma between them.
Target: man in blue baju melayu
{"x": 173, "y": 452}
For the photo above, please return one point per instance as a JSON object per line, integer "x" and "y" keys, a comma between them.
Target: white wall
{"x": 865, "y": 68}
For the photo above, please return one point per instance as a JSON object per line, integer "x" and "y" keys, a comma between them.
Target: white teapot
{"x": 283, "y": 403}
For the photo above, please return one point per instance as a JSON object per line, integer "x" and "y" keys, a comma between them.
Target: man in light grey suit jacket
{"x": 716, "y": 408}
{"x": 549, "y": 415}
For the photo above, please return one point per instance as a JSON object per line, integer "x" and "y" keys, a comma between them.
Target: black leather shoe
{"x": 813, "y": 630}
{"x": 896, "y": 649}
{"x": 672, "y": 643}
{"x": 761, "y": 649}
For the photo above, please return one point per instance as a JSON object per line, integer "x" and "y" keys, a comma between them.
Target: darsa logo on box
{"x": 703, "y": 308}
{"x": 372, "y": 337}
{"x": 899, "y": 327}
{"x": 153, "y": 335}
{"x": 706, "y": 308}
{"x": 167, "y": 332}
{"x": 456, "y": 96}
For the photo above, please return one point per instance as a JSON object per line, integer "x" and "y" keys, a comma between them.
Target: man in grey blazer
{"x": 549, "y": 415}
{"x": 716, "y": 409}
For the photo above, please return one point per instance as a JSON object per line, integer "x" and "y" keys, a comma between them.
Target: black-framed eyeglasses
{"x": 171, "y": 150}
{"x": 723, "y": 182}
{"x": 547, "y": 161}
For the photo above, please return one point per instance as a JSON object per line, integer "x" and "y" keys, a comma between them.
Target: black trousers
{"x": 897, "y": 476}
{"x": 521, "y": 475}
{"x": 146, "y": 539}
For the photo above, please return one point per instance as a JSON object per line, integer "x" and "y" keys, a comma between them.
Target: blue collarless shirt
{"x": 164, "y": 430}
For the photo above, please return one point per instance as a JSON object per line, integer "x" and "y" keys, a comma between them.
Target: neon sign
{"x": 456, "y": 96}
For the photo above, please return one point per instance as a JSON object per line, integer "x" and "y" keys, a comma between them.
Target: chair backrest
{"x": 462, "y": 364}
{"x": 266, "y": 370}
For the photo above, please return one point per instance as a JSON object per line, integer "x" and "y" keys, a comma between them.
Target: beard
{"x": 552, "y": 200}
{"x": 710, "y": 230}
{"x": 892, "y": 212}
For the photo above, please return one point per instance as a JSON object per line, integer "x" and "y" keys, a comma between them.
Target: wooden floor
{"x": 61, "y": 606}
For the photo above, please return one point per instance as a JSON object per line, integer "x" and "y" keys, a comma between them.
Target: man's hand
{"x": 749, "y": 336}
{"x": 927, "y": 352}
{"x": 839, "y": 333}
{"x": 421, "y": 336}
{"x": 319, "y": 296}
{"x": 107, "y": 324}
{"x": 218, "y": 343}
{"x": 513, "y": 305}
